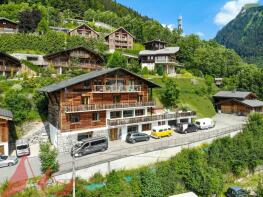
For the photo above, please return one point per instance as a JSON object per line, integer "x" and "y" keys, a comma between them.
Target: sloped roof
{"x": 118, "y": 30}
{"x": 253, "y": 103}
{"x": 3, "y": 18}
{"x": 71, "y": 49}
{"x": 88, "y": 76}
{"x": 167, "y": 50}
{"x": 232, "y": 94}
{"x": 159, "y": 41}
{"x": 12, "y": 58}
{"x": 6, "y": 114}
{"x": 85, "y": 26}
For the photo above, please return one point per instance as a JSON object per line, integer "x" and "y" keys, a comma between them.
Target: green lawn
{"x": 193, "y": 95}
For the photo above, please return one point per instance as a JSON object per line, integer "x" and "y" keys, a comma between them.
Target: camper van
{"x": 22, "y": 147}
{"x": 161, "y": 131}
{"x": 205, "y": 123}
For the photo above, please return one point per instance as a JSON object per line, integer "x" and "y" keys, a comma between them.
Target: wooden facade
{"x": 84, "y": 31}
{"x": 155, "y": 45}
{"x": 8, "y": 26}
{"x": 5, "y": 118}
{"x": 78, "y": 57}
{"x": 120, "y": 39}
{"x": 85, "y": 94}
{"x": 9, "y": 66}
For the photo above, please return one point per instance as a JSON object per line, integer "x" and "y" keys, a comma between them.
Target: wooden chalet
{"x": 154, "y": 45}
{"x": 84, "y": 31}
{"x": 78, "y": 57}
{"x": 241, "y": 103}
{"x": 120, "y": 39}
{"x": 5, "y": 118}
{"x": 8, "y": 26}
{"x": 110, "y": 102}
{"x": 9, "y": 65}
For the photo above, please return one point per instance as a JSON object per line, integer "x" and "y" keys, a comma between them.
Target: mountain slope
{"x": 244, "y": 34}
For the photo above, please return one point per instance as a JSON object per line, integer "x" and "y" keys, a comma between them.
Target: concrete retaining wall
{"x": 136, "y": 161}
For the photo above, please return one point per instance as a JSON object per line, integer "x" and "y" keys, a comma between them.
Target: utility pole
{"x": 73, "y": 177}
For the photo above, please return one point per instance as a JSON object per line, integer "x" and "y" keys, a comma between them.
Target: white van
{"x": 205, "y": 123}
{"x": 22, "y": 147}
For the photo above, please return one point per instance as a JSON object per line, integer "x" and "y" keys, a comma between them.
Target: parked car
{"x": 161, "y": 131}
{"x": 22, "y": 147}
{"x": 236, "y": 191}
{"x": 205, "y": 123}
{"x": 137, "y": 137}
{"x": 187, "y": 128}
{"x": 89, "y": 146}
{"x": 8, "y": 160}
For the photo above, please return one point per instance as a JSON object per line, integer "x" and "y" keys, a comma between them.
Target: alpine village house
{"x": 111, "y": 102}
{"x": 9, "y": 65}
{"x": 119, "y": 39}
{"x": 84, "y": 31}
{"x": 5, "y": 117}
{"x": 8, "y": 26}
{"x": 157, "y": 54}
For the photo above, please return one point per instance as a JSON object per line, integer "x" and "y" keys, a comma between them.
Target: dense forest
{"x": 245, "y": 35}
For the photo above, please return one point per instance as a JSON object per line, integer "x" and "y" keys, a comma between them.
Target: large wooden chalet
{"x": 242, "y": 103}
{"x": 111, "y": 102}
{"x": 8, "y": 26}
{"x": 157, "y": 54}
{"x": 9, "y": 65}
{"x": 84, "y": 31}
{"x": 5, "y": 118}
{"x": 78, "y": 57}
{"x": 120, "y": 39}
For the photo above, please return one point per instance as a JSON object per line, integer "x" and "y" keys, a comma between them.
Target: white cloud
{"x": 230, "y": 10}
{"x": 169, "y": 26}
{"x": 200, "y": 34}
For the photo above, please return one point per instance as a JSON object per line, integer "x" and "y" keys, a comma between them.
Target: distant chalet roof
{"x": 12, "y": 58}
{"x": 118, "y": 30}
{"x": 6, "y": 114}
{"x": 72, "y": 49}
{"x": 89, "y": 76}
{"x": 165, "y": 51}
{"x": 159, "y": 41}
{"x": 3, "y": 18}
{"x": 233, "y": 94}
{"x": 85, "y": 25}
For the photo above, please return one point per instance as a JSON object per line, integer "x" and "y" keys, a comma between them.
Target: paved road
{"x": 118, "y": 147}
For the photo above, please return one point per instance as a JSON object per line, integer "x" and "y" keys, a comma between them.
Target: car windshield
{"x": 3, "y": 157}
{"x": 198, "y": 123}
{"x": 77, "y": 145}
{"x": 22, "y": 147}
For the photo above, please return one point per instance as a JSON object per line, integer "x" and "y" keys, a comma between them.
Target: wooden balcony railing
{"x": 115, "y": 88}
{"x": 96, "y": 107}
{"x": 165, "y": 116}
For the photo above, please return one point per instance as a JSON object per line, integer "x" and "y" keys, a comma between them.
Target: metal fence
{"x": 137, "y": 149}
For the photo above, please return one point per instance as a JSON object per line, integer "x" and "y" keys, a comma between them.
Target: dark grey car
{"x": 89, "y": 146}
{"x": 137, "y": 137}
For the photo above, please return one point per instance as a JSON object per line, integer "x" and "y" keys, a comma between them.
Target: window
{"x": 95, "y": 116}
{"x": 87, "y": 135}
{"x": 128, "y": 113}
{"x": 116, "y": 98}
{"x": 132, "y": 129}
{"x": 86, "y": 84}
{"x": 32, "y": 58}
{"x": 115, "y": 114}
{"x": 146, "y": 127}
{"x": 97, "y": 82}
{"x": 160, "y": 123}
{"x": 85, "y": 100}
{"x": 139, "y": 98}
{"x": 73, "y": 118}
{"x": 139, "y": 112}
{"x": 95, "y": 143}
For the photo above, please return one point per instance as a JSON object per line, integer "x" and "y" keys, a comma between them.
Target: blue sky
{"x": 203, "y": 17}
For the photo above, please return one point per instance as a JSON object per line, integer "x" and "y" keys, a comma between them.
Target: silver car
{"x": 8, "y": 160}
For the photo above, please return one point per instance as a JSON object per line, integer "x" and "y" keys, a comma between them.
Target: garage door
{"x": 2, "y": 149}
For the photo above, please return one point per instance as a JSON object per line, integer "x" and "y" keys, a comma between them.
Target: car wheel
{"x": 133, "y": 141}
{"x": 104, "y": 149}
{"x": 148, "y": 138}
{"x": 10, "y": 164}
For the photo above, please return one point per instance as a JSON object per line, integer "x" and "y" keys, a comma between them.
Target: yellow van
{"x": 161, "y": 131}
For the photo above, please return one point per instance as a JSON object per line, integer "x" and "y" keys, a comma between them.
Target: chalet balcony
{"x": 166, "y": 116}
{"x": 165, "y": 61}
{"x": 95, "y": 107}
{"x": 115, "y": 88}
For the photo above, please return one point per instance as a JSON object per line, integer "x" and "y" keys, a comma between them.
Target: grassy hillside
{"x": 193, "y": 95}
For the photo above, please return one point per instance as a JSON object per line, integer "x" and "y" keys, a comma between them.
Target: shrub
{"x": 48, "y": 157}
